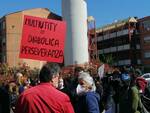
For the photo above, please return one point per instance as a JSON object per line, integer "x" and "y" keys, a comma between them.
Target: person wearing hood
{"x": 141, "y": 83}
{"x": 88, "y": 101}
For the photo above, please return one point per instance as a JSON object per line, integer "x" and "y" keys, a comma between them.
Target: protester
{"x": 141, "y": 83}
{"x": 70, "y": 85}
{"x": 136, "y": 90}
{"x": 13, "y": 97}
{"x": 125, "y": 100}
{"x": 4, "y": 99}
{"x": 88, "y": 98}
{"x": 107, "y": 97}
{"x": 144, "y": 101}
{"x": 130, "y": 101}
{"x": 19, "y": 78}
{"x": 45, "y": 98}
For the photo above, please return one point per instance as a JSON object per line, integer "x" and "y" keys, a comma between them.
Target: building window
{"x": 147, "y": 39}
{"x": 139, "y": 61}
{"x": 0, "y": 26}
{"x": 124, "y": 62}
{"x": 147, "y": 55}
{"x": 119, "y": 41}
{"x": 146, "y": 25}
{"x": 3, "y": 25}
{"x": 4, "y": 58}
{"x": 138, "y": 46}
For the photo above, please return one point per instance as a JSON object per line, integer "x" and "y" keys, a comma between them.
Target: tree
{"x": 108, "y": 59}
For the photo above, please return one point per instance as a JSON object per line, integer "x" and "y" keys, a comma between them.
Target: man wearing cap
{"x": 45, "y": 98}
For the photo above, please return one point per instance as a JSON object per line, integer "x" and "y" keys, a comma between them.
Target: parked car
{"x": 146, "y": 76}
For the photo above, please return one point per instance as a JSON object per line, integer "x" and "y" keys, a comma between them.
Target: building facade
{"x": 120, "y": 40}
{"x": 127, "y": 41}
{"x": 11, "y": 33}
{"x": 144, "y": 24}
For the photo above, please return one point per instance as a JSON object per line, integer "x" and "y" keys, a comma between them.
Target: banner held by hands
{"x": 43, "y": 39}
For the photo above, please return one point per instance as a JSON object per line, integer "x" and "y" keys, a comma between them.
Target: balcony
{"x": 113, "y": 35}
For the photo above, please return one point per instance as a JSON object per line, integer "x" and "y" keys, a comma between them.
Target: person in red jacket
{"x": 45, "y": 98}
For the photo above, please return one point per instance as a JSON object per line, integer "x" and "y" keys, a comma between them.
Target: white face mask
{"x": 80, "y": 90}
{"x": 140, "y": 91}
{"x": 61, "y": 83}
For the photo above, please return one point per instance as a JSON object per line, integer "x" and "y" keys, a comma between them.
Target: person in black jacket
{"x": 4, "y": 99}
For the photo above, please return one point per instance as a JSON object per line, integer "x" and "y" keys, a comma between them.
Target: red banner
{"x": 43, "y": 39}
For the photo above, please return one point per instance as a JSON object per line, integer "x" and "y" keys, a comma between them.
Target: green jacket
{"x": 135, "y": 100}
{"x": 129, "y": 100}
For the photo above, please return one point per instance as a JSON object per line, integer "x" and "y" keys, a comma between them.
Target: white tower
{"x": 74, "y": 12}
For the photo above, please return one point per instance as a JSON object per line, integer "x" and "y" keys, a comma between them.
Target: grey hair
{"x": 87, "y": 78}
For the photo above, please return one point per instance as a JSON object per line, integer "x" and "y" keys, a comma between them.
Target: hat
{"x": 138, "y": 79}
{"x": 141, "y": 82}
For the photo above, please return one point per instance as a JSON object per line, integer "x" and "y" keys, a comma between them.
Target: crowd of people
{"x": 78, "y": 91}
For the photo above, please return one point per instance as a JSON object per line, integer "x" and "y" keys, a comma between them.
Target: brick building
{"x": 11, "y": 33}
{"x": 144, "y": 24}
{"x": 128, "y": 41}
{"x": 121, "y": 40}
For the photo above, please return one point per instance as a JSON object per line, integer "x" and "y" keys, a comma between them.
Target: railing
{"x": 113, "y": 35}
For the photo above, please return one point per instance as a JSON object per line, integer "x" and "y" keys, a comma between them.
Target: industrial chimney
{"x": 74, "y": 12}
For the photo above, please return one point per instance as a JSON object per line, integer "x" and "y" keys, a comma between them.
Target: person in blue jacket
{"x": 88, "y": 99}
